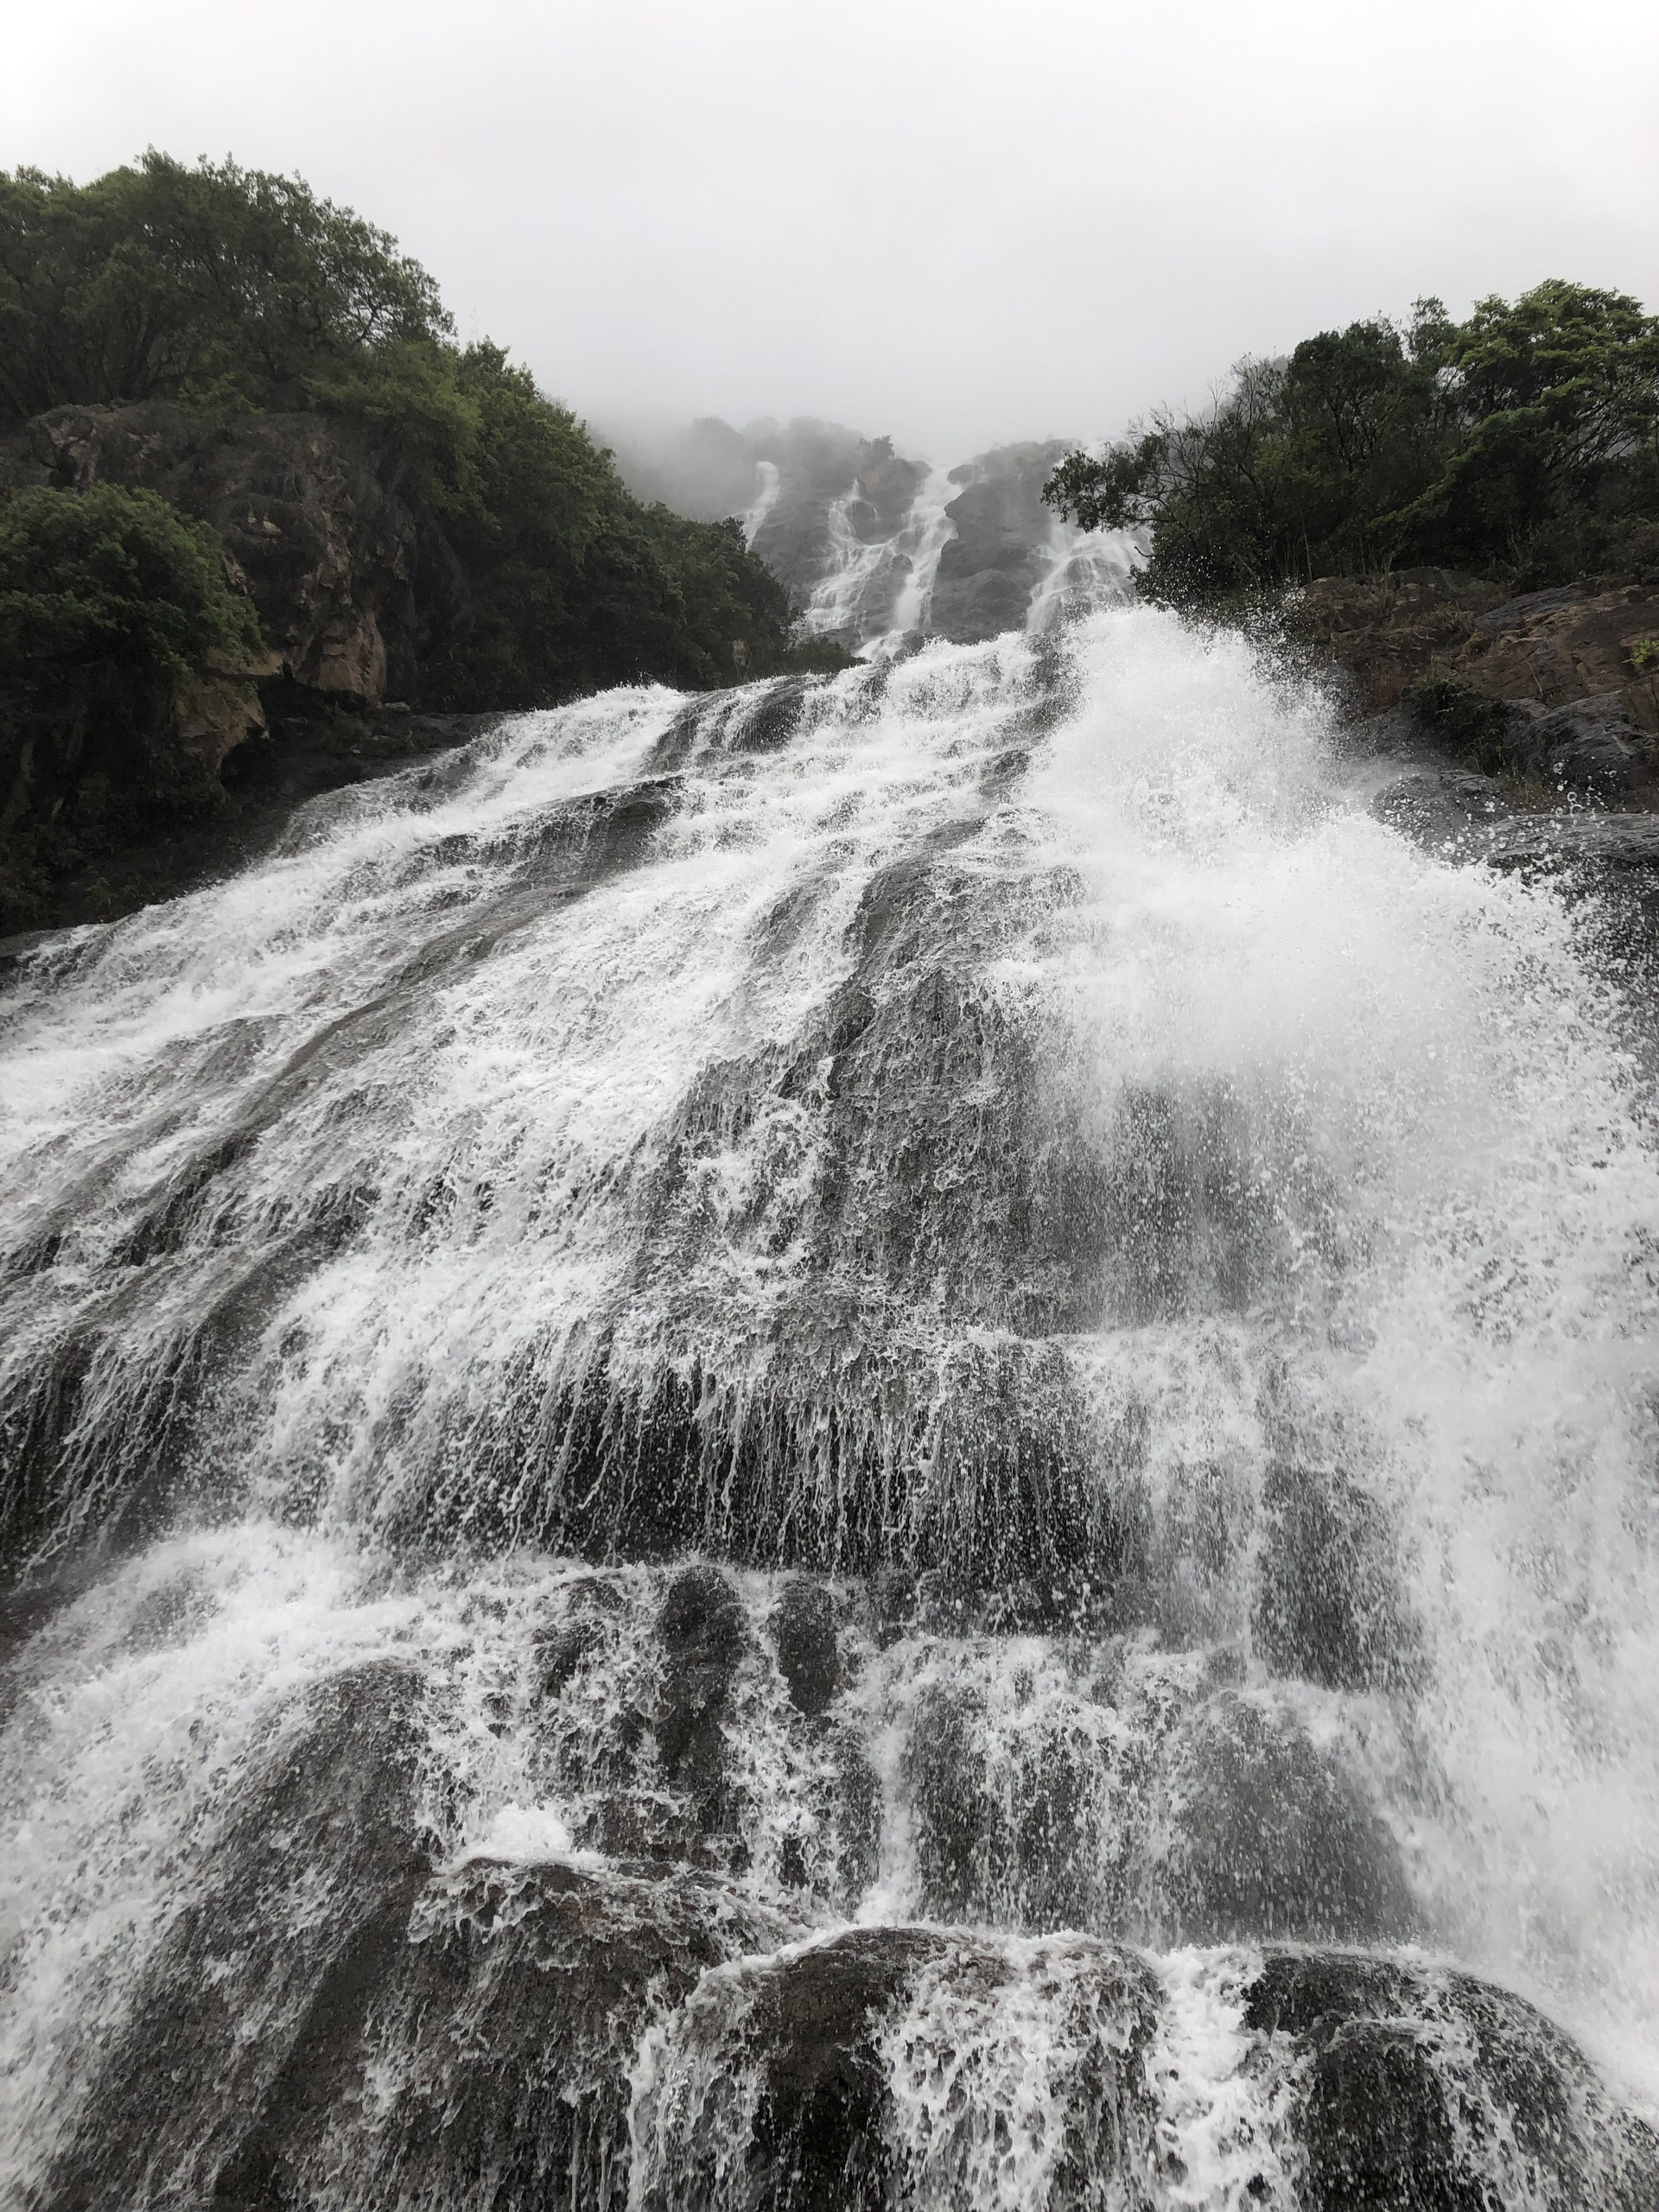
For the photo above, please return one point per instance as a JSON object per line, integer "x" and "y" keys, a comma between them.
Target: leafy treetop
{"x": 212, "y": 285}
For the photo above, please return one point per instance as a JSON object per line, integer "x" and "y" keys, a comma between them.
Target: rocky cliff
{"x": 353, "y": 583}
{"x": 1554, "y": 694}
{"x": 1002, "y": 548}
{"x": 1546, "y": 647}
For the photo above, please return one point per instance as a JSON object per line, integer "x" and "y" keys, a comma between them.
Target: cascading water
{"x": 769, "y": 485}
{"x": 885, "y": 1441}
{"x": 876, "y": 590}
{"x": 1085, "y": 569}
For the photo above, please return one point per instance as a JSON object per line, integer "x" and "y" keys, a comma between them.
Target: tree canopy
{"x": 211, "y": 285}
{"x": 1523, "y": 443}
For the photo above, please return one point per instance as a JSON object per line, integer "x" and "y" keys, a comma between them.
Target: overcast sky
{"x": 953, "y": 222}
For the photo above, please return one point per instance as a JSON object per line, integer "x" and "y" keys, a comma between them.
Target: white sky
{"x": 950, "y": 221}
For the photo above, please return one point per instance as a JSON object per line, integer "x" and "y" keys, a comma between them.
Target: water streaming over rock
{"x": 885, "y": 1441}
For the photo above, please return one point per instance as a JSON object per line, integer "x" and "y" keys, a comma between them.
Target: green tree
{"x": 575, "y": 584}
{"x": 1557, "y": 398}
{"x": 1520, "y": 443}
{"x": 212, "y": 285}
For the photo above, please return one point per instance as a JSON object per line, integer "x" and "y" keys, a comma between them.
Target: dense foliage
{"x": 1522, "y": 444}
{"x": 575, "y": 584}
{"x": 110, "y": 600}
{"x": 225, "y": 289}
{"x": 213, "y": 285}
{"x": 115, "y": 580}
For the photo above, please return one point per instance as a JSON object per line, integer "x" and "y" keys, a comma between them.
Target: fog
{"x": 954, "y": 223}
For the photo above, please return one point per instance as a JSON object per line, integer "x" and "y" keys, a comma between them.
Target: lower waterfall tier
{"x": 877, "y": 1441}
{"x": 539, "y": 1884}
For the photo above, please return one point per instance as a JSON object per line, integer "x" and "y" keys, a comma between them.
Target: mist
{"x": 952, "y": 224}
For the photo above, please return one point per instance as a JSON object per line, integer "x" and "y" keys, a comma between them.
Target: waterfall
{"x": 871, "y": 1441}
{"x": 769, "y": 484}
{"x": 875, "y": 591}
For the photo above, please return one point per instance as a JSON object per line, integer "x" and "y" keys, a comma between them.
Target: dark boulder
{"x": 808, "y": 1654}
{"x": 1593, "y": 746}
{"x": 297, "y": 1905}
{"x": 704, "y": 1636}
{"x": 1329, "y": 1606}
{"x": 1605, "y": 865}
{"x": 1423, "y": 2090}
{"x": 804, "y": 2068}
{"x": 1445, "y": 810}
{"x": 498, "y": 2041}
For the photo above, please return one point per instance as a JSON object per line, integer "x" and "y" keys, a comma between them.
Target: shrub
{"x": 112, "y": 577}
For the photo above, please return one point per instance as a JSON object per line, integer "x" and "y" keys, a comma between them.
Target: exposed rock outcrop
{"x": 353, "y": 585}
{"x": 110, "y": 794}
{"x": 1547, "y": 648}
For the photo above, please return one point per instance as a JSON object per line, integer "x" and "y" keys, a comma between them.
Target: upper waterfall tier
{"x": 877, "y": 549}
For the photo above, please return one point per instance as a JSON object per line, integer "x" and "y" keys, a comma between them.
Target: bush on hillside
{"x": 114, "y": 580}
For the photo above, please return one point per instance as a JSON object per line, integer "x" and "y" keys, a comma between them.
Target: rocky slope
{"x": 1523, "y": 732}
{"x": 1546, "y": 648}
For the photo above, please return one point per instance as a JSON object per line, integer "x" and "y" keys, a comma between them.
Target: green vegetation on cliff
{"x": 575, "y": 585}
{"x": 228, "y": 290}
{"x": 1522, "y": 444}
{"x": 113, "y": 579}
{"x": 117, "y": 620}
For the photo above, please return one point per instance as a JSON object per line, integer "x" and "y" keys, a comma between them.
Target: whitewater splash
{"x": 874, "y": 1441}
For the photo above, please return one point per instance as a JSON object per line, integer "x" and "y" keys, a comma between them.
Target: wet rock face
{"x": 1544, "y": 648}
{"x": 822, "y": 2138}
{"x": 807, "y": 1656}
{"x": 1276, "y": 1840}
{"x": 1606, "y": 866}
{"x": 1328, "y": 1607}
{"x": 1570, "y": 644}
{"x": 654, "y": 2031}
{"x": 350, "y": 585}
{"x": 885, "y": 2067}
{"x": 988, "y": 572}
{"x": 1445, "y": 810}
{"x": 299, "y": 1908}
{"x": 1593, "y": 746}
{"x": 703, "y": 1635}
{"x": 497, "y": 2040}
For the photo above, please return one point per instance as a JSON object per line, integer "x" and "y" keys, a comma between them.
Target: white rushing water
{"x": 1001, "y": 1137}
{"x": 876, "y": 589}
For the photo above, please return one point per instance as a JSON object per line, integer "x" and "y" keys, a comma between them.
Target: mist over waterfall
{"x": 877, "y": 1441}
